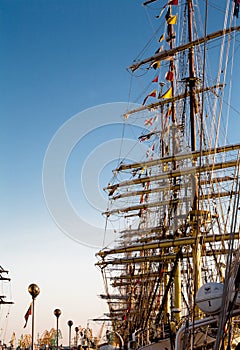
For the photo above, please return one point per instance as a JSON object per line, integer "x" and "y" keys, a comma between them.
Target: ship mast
{"x": 175, "y": 232}
{"x": 4, "y": 278}
{"x": 196, "y": 221}
{"x": 177, "y": 269}
{"x": 192, "y": 80}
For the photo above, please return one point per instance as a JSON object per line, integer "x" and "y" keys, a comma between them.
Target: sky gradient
{"x": 58, "y": 58}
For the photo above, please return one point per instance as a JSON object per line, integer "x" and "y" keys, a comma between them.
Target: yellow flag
{"x": 172, "y": 20}
{"x": 155, "y": 64}
{"x": 161, "y": 38}
{"x": 168, "y": 93}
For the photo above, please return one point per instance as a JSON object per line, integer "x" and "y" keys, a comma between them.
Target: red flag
{"x": 152, "y": 94}
{"x": 169, "y": 76}
{"x": 28, "y": 313}
{"x": 155, "y": 80}
{"x": 148, "y": 121}
{"x": 161, "y": 272}
{"x": 169, "y": 111}
{"x": 170, "y": 2}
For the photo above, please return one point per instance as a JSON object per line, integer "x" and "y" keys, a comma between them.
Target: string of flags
{"x": 167, "y": 94}
{"x": 171, "y": 19}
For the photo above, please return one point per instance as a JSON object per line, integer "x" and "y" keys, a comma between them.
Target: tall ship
{"x": 172, "y": 276}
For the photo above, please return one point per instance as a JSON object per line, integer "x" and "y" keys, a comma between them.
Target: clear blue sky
{"x": 57, "y": 58}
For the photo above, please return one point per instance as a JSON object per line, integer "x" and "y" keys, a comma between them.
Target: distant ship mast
{"x": 4, "y": 278}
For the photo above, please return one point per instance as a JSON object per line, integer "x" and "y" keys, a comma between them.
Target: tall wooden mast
{"x": 196, "y": 221}
{"x": 192, "y": 78}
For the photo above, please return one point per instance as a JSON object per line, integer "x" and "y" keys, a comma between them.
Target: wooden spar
{"x": 166, "y": 243}
{"x": 153, "y": 190}
{"x": 171, "y": 187}
{"x": 138, "y": 276}
{"x": 113, "y": 296}
{"x": 146, "y": 206}
{"x": 132, "y": 232}
{"x": 178, "y": 157}
{"x": 176, "y": 173}
{"x": 168, "y": 257}
{"x": 168, "y": 202}
{"x": 166, "y": 101}
{"x": 167, "y": 54}
{"x": 195, "y": 204}
{"x": 120, "y": 310}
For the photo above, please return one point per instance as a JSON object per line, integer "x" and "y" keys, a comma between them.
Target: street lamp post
{"x": 33, "y": 290}
{"x": 70, "y": 323}
{"x": 57, "y": 313}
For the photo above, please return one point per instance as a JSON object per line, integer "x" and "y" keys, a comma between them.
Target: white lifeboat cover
{"x": 209, "y": 297}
